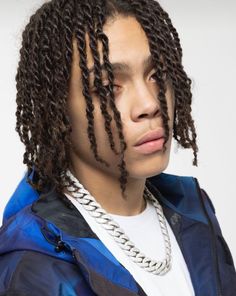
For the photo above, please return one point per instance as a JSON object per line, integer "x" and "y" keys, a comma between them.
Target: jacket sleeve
{"x": 14, "y": 293}
{"x": 27, "y": 273}
{"x": 224, "y": 256}
{"x": 228, "y": 255}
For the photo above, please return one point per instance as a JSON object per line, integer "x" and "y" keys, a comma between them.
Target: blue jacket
{"x": 48, "y": 249}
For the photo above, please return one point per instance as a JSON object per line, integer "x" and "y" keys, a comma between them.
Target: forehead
{"x": 128, "y": 45}
{"x": 127, "y": 42}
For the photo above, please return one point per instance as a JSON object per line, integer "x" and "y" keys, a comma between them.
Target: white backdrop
{"x": 207, "y": 30}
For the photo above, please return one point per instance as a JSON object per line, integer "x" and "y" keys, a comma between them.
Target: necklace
{"x": 102, "y": 217}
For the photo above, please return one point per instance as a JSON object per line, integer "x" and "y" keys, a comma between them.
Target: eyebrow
{"x": 123, "y": 67}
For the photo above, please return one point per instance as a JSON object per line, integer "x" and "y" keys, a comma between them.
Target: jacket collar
{"x": 179, "y": 193}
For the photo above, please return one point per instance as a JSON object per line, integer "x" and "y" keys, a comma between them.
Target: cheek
{"x": 79, "y": 135}
{"x": 78, "y": 120}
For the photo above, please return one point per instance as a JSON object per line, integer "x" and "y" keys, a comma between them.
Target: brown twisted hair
{"x": 43, "y": 79}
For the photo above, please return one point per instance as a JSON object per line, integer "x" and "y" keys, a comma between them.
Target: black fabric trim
{"x": 59, "y": 210}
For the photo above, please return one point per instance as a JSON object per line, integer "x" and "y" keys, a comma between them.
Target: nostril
{"x": 158, "y": 112}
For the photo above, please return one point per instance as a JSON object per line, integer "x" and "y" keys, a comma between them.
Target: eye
{"x": 153, "y": 76}
{"x": 164, "y": 75}
{"x": 116, "y": 89}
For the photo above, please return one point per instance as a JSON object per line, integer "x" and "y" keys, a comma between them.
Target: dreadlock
{"x": 43, "y": 74}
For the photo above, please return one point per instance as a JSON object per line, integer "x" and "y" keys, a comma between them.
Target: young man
{"x": 100, "y": 91}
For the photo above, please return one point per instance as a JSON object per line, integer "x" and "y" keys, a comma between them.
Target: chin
{"x": 149, "y": 168}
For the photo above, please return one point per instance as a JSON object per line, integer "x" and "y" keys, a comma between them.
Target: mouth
{"x": 151, "y": 142}
{"x": 150, "y": 146}
{"x": 151, "y": 136}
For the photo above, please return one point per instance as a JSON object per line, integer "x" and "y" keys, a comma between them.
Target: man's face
{"x": 135, "y": 98}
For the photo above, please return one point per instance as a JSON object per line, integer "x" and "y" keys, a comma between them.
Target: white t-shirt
{"x": 145, "y": 232}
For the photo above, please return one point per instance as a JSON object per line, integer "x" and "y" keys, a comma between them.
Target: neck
{"x": 107, "y": 192}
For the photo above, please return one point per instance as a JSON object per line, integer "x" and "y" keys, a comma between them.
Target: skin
{"x": 136, "y": 99}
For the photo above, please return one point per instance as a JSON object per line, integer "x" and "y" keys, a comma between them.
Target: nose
{"x": 145, "y": 102}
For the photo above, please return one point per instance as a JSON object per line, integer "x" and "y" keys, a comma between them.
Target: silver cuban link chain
{"x": 103, "y": 218}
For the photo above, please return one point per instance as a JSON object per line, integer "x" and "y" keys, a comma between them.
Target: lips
{"x": 151, "y": 136}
